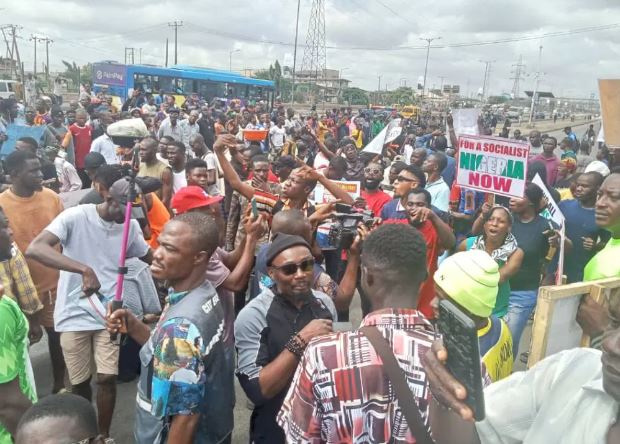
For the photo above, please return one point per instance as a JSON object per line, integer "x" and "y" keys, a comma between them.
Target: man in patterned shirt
{"x": 16, "y": 280}
{"x": 186, "y": 390}
{"x": 340, "y": 392}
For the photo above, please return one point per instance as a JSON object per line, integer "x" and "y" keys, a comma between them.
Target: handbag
{"x": 397, "y": 378}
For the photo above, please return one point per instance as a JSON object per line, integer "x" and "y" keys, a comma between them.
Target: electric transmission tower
{"x": 315, "y": 54}
{"x": 487, "y": 78}
{"x": 518, "y": 72}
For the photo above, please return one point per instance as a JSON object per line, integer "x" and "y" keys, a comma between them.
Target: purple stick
{"x": 121, "y": 263}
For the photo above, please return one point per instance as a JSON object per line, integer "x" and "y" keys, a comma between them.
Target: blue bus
{"x": 179, "y": 80}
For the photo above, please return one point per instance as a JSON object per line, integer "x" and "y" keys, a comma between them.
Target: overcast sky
{"x": 88, "y": 31}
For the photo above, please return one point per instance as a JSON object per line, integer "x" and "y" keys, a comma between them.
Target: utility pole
{"x": 176, "y": 25}
{"x": 35, "y": 39}
{"x": 13, "y": 50}
{"x": 295, "y": 53}
{"x": 230, "y": 53}
{"x": 535, "y": 92}
{"x": 428, "y": 50}
{"x": 441, "y": 84}
{"x": 518, "y": 72}
{"x": 166, "y": 63}
{"x": 487, "y": 76}
{"x": 47, "y": 59}
{"x": 379, "y": 89}
{"x": 129, "y": 56}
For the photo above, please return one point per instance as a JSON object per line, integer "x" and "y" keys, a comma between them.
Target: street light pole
{"x": 295, "y": 53}
{"x": 230, "y": 53}
{"x": 340, "y": 82}
{"x": 535, "y": 92}
{"x": 428, "y": 50}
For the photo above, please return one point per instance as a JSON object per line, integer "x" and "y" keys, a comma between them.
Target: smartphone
{"x": 254, "y": 208}
{"x": 460, "y": 338}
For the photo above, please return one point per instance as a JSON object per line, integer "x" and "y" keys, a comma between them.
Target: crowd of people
{"x": 242, "y": 261}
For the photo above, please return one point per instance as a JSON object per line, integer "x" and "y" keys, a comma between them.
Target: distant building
{"x": 329, "y": 82}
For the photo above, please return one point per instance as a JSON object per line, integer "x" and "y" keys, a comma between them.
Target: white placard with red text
{"x": 492, "y": 165}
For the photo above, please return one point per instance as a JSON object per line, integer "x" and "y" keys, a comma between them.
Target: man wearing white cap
{"x": 470, "y": 279}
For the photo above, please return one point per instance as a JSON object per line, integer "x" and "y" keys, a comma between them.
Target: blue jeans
{"x": 520, "y": 306}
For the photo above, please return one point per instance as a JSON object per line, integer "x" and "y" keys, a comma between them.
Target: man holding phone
{"x": 569, "y": 397}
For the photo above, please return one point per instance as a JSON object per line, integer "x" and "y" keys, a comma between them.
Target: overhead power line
{"x": 240, "y": 37}
{"x": 396, "y": 13}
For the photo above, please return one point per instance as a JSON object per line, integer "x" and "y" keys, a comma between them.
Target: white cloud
{"x": 91, "y": 31}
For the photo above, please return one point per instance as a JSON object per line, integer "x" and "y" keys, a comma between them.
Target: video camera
{"x": 342, "y": 232}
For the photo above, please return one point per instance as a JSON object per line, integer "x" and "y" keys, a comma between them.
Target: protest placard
{"x": 466, "y": 121}
{"x": 16, "y": 132}
{"x": 492, "y": 165}
{"x": 552, "y": 212}
{"x": 391, "y": 131}
{"x": 321, "y": 195}
{"x": 555, "y": 327}
{"x": 609, "y": 93}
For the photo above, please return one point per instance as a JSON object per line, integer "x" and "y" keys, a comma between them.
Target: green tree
{"x": 282, "y": 84}
{"x": 77, "y": 74}
{"x": 403, "y": 95}
{"x": 355, "y": 96}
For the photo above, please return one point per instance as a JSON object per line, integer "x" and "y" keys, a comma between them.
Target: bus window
{"x": 236, "y": 91}
{"x": 258, "y": 93}
{"x": 166, "y": 84}
{"x": 209, "y": 90}
{"x": 185, "y": 86}
{"x": 143, "y": 81}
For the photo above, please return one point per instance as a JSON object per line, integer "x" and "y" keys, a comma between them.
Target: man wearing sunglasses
{"x": 374, "y": 198}
{"x": 272, "y": 331}
{"x": 410, "y": 178}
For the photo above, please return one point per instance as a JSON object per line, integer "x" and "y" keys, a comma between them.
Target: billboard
{"x": 109, "y": 74}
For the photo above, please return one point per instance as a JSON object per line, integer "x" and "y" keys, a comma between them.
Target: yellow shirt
{"x": 357, "y": 135}
{"x": 496, "y": 348}
{"x": 322, "y": 131}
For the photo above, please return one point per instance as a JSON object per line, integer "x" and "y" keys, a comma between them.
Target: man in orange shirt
{"x": 30, "y": 208}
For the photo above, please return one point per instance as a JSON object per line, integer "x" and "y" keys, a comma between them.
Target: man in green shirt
{"x": 17, "y": 389}
{"x": 607, "y": 213}
{"x": 593, "y": 317}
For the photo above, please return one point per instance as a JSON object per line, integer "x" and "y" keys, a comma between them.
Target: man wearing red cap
{"x": 227, "y": 271}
